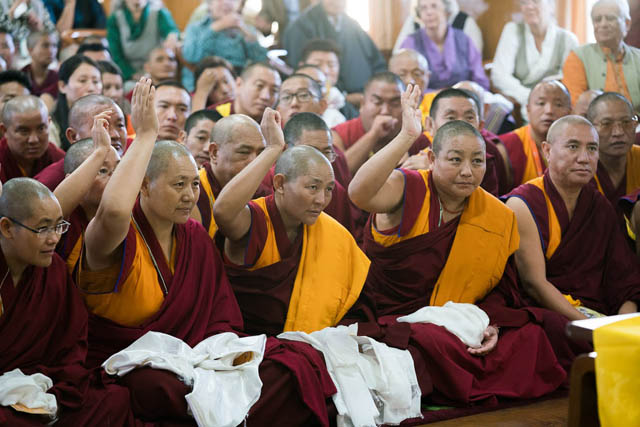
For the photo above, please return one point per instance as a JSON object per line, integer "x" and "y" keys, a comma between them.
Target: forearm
{"x": 73, "y": 188}
{"x": 65, "y": 22}
{"x": 628, "y": 307}
{"x": 358, "y": 153}
{"x": 374, "y": 173}
{"x": 240, "y": 190}
{"x": 200, "y": 98}
{"x": 548, "y": 296}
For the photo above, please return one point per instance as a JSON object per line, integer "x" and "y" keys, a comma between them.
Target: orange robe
{"x": 526, "y": 160}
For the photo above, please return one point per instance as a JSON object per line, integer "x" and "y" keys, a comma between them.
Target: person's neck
{"x": 162, "y": 229}
{"x": 216, "y": 175}
{"x": 136, "y": 15}
{"x": 568, "y": 193}
{"x": 616, "y": 47}
{"x": 616, "y": 166}
{"x": 450, "y": 203}
{"x": 26, "y": 165}
{"x": 15, "y": 265}
{"x": 438, "y": 35}
{"x": 39, "y": 71}
{"x": 538, "y": 139}
{"x": 292, "y": 226}
{"x": 539, "y": 29}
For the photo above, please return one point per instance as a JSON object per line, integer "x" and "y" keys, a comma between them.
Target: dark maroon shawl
{"x": 10, "y": 168}
{"x": 52, "y": 175}
{"x": 44, "y": 329}
{"x": 627, "y": 203}
{"x": 78, "y": 224}
{"x": 199, "y": 303}
{"x": 402, "y": 278}
{"x": 593, "y": 262}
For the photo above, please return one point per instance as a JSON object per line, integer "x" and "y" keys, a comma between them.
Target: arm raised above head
{"x": 108, "y": 229}
{"x": 532, "y": 267}
{"x": 74, "y": 187}
{"x": 376, "y": 187}
{"x": 230, "y": 209}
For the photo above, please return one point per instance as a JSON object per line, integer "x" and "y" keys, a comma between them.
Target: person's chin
{"x": 44, "y": 259}
{"x": 181, "y": 216}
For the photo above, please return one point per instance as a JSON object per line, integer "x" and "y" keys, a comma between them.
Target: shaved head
{"x": 552, "y": 84}
{"x": 296, "y": 161}
{"x": 585, "y": 99}
{"x": 224, "y": 129}
{"x": 559, "y": 126}
{"x": 19, "y": 196}
{"x": 410, "y": 54}
{"x": 162, "y": 154}
{"x": 301, "y": 122}
{"x": 77, "y": 154}
{"x": 451, "y": 130}
{"x": 83, "y": 109}
{"x": 22, "y": 104}
{"x": 593, "y": 111}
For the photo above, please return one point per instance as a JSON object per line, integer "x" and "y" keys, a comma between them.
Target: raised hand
{"x": 418, "y": 161}
{"x": 100, "y": 131}
{"x": 143, "y": 110}
{"x": 411, "y": 114}
{"x": 271, "y": 126}
{"x": 489, "y": 342}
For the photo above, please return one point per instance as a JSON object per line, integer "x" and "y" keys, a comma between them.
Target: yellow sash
{"x": 534, "y": 167}
{"x": 206, "y": 186}
{"x": 224, "y": 109}
{"x": 330, "y": 276}
{"x": 486, "y": 237}
{"x": 74, "y": 255}
{"x": 555, "y": 232}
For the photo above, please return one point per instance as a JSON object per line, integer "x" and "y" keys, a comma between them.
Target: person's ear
{"x": 6, "y": 228}
{"x": 71, "y": 134}
{"x": 322, "y": 103}
{"x": 213, "y": 152}
{"x": 546, "y": 150}
{"x": 182, "y": 137}
{"x": 432, "y": 156}
{"x": 62, "y": 87}
{"x": 429, "y": 126}
{"x": 144, "y": 189}
{"x": 278, "y": 183}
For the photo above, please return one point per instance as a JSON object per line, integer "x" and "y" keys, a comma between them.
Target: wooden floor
{"x": 550, "y": 413}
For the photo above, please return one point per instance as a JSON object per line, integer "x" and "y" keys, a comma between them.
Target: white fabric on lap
{"x": 466, "y": 321}
{"x": 30, "y": 391}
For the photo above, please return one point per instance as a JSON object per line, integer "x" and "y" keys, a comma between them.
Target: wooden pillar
{"x": 181, "y": 10}
{"x": 386, "y": 19}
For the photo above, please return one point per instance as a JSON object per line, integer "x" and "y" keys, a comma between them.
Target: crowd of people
{"x": 192, "y": 231}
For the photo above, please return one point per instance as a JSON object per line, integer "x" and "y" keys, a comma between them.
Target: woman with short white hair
{"x": 530, "y": 51}
{"x": 451, "y": 54}
{"x": 609, "y": 64}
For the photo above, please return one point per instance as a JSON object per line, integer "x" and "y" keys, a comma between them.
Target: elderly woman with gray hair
{"x": 609, "y": 64}
{"x": 530, "y": 51}
{"x": 451, "y": 54}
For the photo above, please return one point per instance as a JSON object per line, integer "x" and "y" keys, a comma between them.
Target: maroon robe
{"x": 612, "y": 194}
{"x": 340, "y": 168}
{"x": 516, "y": 158}
{"x": 49, "y": 85}
{"x": 78, "y": 223}
{"x": 9, "y": 165}
{"x": 44, "y": 330}
{"x": 593, "y": 262}
{"x": 402, "y": 277}
{"x": 52, "y": 175}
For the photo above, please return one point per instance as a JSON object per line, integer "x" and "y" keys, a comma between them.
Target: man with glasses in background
{"x": 300, "y": 93}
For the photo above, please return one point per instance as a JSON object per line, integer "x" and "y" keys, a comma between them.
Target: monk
{"x": 549, "y": 100}
{"x": 81, "y": 121}
{"x": 436, "y": 237}
{"x": 413, "y": 68}
{"x": 25, "y": 148}
{"x": 573, "y": 258}
{"x": 236, "y": 141}
{"x": 88, "y": 165}
{"x": 459, "y": 104}
{"x": 43, "y": 322}
{"x": 138, "y": 274}
{"x": 173, "y": 105}
{"x": 379, "y": 122}
{"x": 618, "y": 170}
{"x": 199, "y": 126}
{"x": 257, "y": 88}
{"x": 581, "y": 106}
{"x": 631, "y": 208}
{"x": 310, "y": 129}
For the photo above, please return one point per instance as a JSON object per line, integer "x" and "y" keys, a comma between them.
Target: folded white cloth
{"x": 30, "y": 391}
{"x": 223, "y": 370}
{"x": 376, "y": 384}
{"x": 466, "y": 321}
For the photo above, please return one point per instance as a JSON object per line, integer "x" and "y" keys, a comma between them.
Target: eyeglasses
{"x": 302, "y": 96}
{"x": 626, "y": 123}
{"x": 60, "y": 228}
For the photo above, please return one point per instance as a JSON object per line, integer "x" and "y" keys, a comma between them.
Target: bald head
{"x": 19, "y": 195}
{"x": 300, "y": 123}
{"x": 552, "y": 85}
{"x": 20, "y": 105}
{"x": 584, "y": 100}
{"x": 297, "y": 161}
{"x": 84, "y": 109}
{"x": 408, "y": 54}
{"x": 558, "y": 127}
{"x": 225, "y": 129}
{"x": 603, "y": 101}
{"x": 452, "y": 130}
{"x": 77, "y": 154}
{"x": 163, "y": 153}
